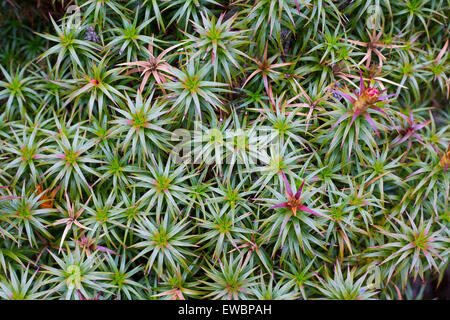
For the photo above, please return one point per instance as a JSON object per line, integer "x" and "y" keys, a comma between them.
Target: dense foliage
{"x": 270, "y": 149}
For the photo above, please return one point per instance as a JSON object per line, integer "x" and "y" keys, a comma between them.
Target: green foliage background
{"x": 92, "y": 206}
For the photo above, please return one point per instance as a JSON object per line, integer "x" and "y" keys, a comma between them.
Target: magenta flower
{"x": 362, "y": 101}
{"x": 294, "y": 202}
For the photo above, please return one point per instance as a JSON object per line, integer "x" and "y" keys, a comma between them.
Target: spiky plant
{"x": 167, "y": 240}
{"x": 203, "y": 149}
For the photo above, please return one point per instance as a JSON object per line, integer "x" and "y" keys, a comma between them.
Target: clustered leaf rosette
{"x": 445, "y": 160}
{"x": 409, "y": 131}
{"x": 368, "y": 98}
